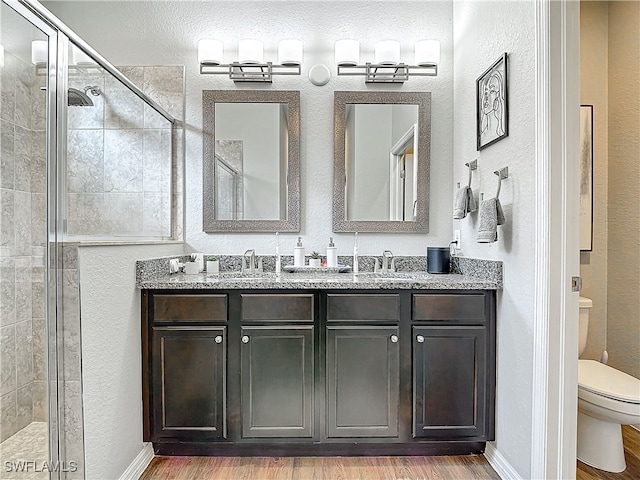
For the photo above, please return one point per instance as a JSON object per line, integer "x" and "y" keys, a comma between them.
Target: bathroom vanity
{"x": 331, "y": 365}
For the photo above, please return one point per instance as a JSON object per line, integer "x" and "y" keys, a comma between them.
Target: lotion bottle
{"x": 332, "y": 254}
{"x": 298, "y": 254}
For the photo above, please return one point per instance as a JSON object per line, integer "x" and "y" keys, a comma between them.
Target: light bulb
{"x": 387, "y": 52}
{"x": 78, "y": 57}
{"x": 427, "y": 53}
{"x": 39, "y": 51}
{"x": 347, "y": 53}
{"x": 210, "y": 51}
{"x": 250, "y": 51}
{"x": 290, "y": 52}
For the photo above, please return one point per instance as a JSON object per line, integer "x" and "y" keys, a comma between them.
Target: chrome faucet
{"x": 249, "y": 261}
{"x": 388, "y": 263}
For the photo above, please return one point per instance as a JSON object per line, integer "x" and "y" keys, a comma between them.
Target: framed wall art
{"x": 492, "y": 106}
{"x": 586, "y": 178}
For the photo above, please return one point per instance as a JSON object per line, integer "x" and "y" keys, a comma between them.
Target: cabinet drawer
{"x": 368, "y": 307}
{"x": 189, "y": 308}
{"x": 449, "y": 307}
{"x": 275, "y": 307}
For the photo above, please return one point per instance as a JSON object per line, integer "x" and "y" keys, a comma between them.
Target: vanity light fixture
{"x": 250, "y": 66}
{"x": 387, "y": 66}
{"x": 80, "y": 63}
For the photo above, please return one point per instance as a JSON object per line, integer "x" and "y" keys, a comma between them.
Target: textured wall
{"x": 623, "y": 327}
{"x": 166, "y": 33}
{"x": 511, "y": 27}
{"x": 594, "y": 88}
{"x": 111, "y": 361}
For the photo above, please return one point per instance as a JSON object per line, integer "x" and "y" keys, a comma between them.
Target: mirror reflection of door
{"x": 258, "y": 133}
{"x": 226, "y": 202}
{"x": 403, "y": 168}
{"x": 380, "y": 147}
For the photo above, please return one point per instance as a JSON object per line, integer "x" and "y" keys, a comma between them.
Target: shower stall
{"x": 86, "y": 155}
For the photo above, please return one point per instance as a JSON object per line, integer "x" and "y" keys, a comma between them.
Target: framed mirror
{"x": 382, "y": 144}
{"x": 251, "y": 161}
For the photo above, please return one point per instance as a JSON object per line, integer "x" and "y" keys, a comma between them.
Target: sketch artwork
{"x": 491, "y": 104}
{"x": 586, "y": 178}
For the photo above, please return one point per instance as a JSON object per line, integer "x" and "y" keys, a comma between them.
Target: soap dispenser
{"x": 298, "y": 254}
{"x": 332, "y": 254}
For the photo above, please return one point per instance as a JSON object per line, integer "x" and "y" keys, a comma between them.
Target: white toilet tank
{"x": 585, "y": 306}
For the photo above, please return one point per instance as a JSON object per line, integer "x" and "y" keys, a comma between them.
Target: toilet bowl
{"x": 607, "y": 399}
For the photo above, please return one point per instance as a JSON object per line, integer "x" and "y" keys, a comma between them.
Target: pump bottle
{"x": 332, "y": 254}
{"x": 298, "y": 254}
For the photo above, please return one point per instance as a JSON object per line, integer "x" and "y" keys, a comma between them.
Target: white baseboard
{"x": 139, "y": 464}
{"x": 500, "y": 464}
{"x": 637, "y": 427}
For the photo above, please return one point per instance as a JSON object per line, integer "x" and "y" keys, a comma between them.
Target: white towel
{"x": 491, "y": 215}
{"x": 465, "y": 203}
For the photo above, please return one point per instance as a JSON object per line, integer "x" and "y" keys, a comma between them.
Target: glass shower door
{"x": 28, "y": 437}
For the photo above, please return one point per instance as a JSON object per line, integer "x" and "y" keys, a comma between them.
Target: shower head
{"x": 78, "y": 98}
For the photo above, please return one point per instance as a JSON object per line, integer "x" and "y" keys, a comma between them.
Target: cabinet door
{"x": 362, "y": 381}
{"x": 277, "y": 381}
{"x": 189, "y": 381}
{"x": 449, "y": 382}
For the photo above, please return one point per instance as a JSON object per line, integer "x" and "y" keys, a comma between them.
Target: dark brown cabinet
{"x": 277, "y": 381}
{"x": 449, "y": 373}
{"x": 189, "y": 382}
{"x": 318, "y": 372}
{"x": 363, "y": 382}
{"x": 453, "y": 365}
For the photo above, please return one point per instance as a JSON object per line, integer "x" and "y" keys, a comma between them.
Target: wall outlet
{"x": 456, "y": 238}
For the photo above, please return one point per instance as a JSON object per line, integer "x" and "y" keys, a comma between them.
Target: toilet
{"x": 607, "y": 399}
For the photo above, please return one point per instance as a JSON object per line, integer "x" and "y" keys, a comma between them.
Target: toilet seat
{"x": 600, "y": 379}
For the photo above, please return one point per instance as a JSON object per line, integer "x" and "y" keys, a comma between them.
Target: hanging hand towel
{"x": 465, "y": 203}
{"x": 491, "y": 215}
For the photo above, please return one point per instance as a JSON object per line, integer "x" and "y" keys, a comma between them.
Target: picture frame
{"x": 492, "y": 104}
{"x": 586, "y": 178}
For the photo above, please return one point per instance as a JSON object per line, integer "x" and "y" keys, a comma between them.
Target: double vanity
{"x": 318, "y": 364}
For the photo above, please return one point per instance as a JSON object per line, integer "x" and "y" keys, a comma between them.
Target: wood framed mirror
{"x": 382, "y": 144}
{"x": 251, "y": 161}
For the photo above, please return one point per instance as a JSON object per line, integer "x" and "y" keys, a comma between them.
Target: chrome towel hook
{"x": 502, "y": 174}
{"x": 473, "y": 165}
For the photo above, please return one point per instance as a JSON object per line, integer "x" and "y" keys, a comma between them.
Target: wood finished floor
{"x": 320, "y": 468}
{"x": 631, "y": 439}
{"x": 362, "y": 468}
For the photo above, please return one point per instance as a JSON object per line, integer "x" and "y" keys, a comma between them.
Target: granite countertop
{"x": 316, "y": 281}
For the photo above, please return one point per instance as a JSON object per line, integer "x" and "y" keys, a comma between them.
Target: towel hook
{"x": 473, "y": 165}
{"x": 502, "y": 174}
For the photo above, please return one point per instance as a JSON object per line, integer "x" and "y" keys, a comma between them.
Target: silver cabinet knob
{"x": 218, "y": 339}
{"x": 420, "y": 339}
{"x": 245, "y": 339}
{"x": 394, "y": 339}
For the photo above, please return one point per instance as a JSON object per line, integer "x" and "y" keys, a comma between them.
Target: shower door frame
{"x": 55, "y": 120}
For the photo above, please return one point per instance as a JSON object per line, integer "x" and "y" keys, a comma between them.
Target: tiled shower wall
{"x": 120, "y": 159}
{"x": 22, "y": 247}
